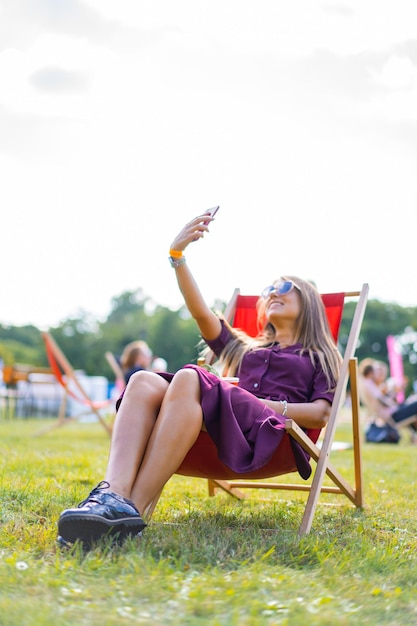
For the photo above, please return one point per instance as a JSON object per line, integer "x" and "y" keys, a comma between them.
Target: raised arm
{"x": 207, "y": 321}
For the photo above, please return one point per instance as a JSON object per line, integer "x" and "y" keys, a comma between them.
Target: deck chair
{"x": 119, "y": 376}
{"x": 67, "y": 378}
{"x": 202, "y": 461}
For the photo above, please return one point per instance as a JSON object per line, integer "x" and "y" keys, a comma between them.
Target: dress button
{"x": 256, "y": 385}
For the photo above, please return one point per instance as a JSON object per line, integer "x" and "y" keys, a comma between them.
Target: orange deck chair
{"x": 202, "y": 460}
{"x": 67, "y": 378}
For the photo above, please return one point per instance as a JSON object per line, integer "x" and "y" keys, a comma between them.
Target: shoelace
{"x": 102, "y": 486}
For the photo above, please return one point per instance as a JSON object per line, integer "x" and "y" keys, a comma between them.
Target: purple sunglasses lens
{"x": 284, "y": 287}
{"x": 281, "y": 289}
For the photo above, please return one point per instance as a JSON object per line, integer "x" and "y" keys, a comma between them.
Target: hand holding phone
{"x": 212, "y": 212}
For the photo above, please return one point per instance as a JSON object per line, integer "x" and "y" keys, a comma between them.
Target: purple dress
{"x": 245, "y": 431}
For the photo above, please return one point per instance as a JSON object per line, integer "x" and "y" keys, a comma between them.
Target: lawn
{"x": 201, "y": 560}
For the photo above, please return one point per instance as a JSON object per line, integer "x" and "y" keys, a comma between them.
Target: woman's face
{"x": 283, "y": 306}
{"x": 379, "y": 374}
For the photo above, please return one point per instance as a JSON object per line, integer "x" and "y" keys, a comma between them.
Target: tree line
{"x": 173, "y": 335}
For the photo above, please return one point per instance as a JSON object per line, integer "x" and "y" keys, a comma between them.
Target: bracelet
{"x": 176, "y": 254}
{"x": 285, "y": 405}
{"x": 177, "y": 262}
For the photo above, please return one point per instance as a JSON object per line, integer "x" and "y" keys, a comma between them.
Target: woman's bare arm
{"x": 207, "y": 321}
{"x": 306, "y": 414}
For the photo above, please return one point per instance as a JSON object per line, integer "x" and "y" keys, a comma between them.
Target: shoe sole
{"x": 90, "y": 528}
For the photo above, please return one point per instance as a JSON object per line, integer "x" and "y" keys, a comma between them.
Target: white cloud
{"x": 398, "y": 72}
{"x": 396, "y": 101}
{"x": 20, "y": 71}
{"x": 280, "y": 28}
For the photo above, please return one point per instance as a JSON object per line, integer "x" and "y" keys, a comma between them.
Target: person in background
{"x": 290, "y": 370}
{"x": 382, "y": 409}
{"x": 135, "y": 357}
{"x": 388, "y": 386}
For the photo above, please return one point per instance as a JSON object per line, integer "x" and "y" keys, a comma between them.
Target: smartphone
{"x": 212, "y": 212}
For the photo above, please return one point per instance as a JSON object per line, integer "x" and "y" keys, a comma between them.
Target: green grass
{"x": 202, "y": 560}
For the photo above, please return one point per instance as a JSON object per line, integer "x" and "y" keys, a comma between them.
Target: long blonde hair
{"x": 312, "y": 332}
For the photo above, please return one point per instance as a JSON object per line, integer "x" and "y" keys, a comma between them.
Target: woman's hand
{"x": 208, "y": 323}
{"x": 193, "y": 231}
{"x": 307, "y": 414}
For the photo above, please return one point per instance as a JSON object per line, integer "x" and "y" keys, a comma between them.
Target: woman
{"x": 290, "y": 370}
{"x": 136, "y": 356}
{"x": 384, "y": 413}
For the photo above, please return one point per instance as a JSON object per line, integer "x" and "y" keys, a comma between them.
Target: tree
{"x": 174, "y": 336}
{"x": 20, "y": 344}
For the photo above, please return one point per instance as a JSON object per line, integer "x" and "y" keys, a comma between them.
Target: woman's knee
{"x": 186, "y": 376}
{"x": 147, "y": 385}
{"x": 185, "y": 382}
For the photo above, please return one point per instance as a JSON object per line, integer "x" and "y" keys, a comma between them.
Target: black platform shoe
{"x": 103, "y": 513}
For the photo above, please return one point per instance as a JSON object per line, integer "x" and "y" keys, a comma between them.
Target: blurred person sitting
{"x": 135, "y": 357}
{"x": 389, "y": 386}
{"x": 383, "y": 411}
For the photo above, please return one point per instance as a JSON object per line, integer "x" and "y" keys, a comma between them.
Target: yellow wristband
{"x": 176, "y": 254}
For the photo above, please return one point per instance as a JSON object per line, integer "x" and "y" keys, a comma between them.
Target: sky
{"x": 121, "y": 120}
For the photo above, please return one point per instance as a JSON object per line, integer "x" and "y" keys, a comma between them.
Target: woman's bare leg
{"x": 156, "y": 425}
{"x": 133, "y": 426}
{"x": 178, "y": 425}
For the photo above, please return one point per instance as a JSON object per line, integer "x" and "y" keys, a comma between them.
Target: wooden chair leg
{"x": 60, "y": 421}
{"x": 229, "y": 488}
{"x": 357, "y": 435}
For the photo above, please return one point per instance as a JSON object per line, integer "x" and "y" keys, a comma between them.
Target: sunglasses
{"x": 280, "y": 289}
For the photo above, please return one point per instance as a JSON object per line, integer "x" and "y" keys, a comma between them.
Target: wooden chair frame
{"x": 65, "y": 375}
{"x": 349, "y": 371}
{"x": 117, "y": 371}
